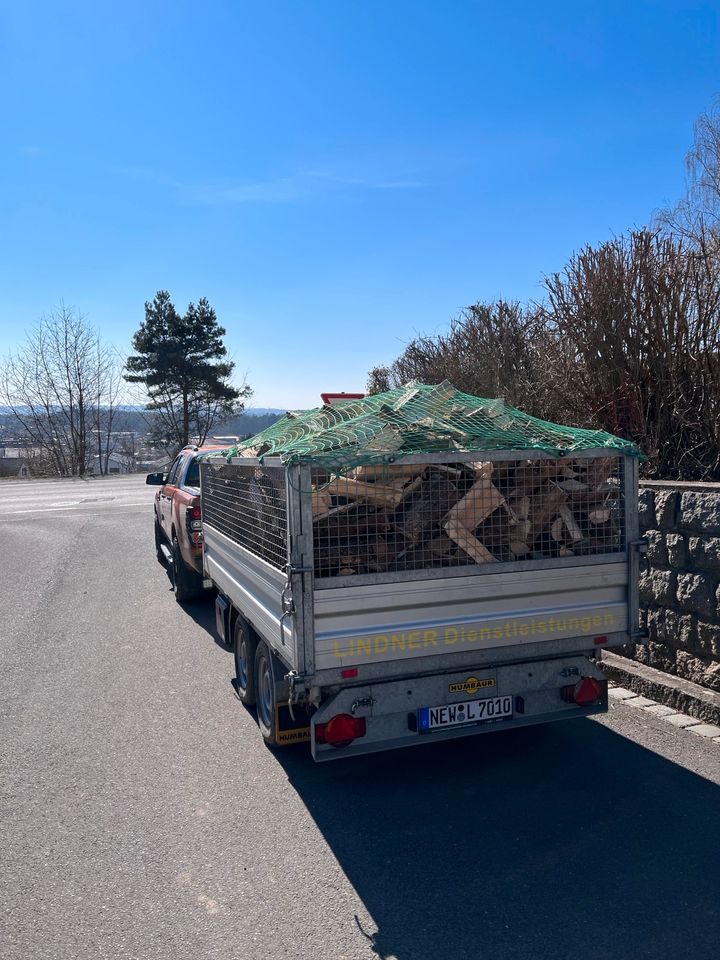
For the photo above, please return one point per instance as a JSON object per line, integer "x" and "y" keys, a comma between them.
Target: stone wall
{"x": 680, "y": 593}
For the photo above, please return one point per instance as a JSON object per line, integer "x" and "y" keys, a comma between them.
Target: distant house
{"x": 14, "y": 467}
{"x": 116, "y": 463}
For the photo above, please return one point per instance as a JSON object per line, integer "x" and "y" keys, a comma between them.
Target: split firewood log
{"x": 467, "y": 542}
{"x": 477, "y": 504}
{"x": 388, "y": 472}
{"x": 375, "y": 493}
{"x": 425, "y": 507}
{"x": 544, "y": 505}
{"x": 574, "y": 531}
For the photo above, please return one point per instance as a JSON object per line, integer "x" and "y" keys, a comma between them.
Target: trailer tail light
{"x": 585, "y": 692}
{"x": 341, "y": 730}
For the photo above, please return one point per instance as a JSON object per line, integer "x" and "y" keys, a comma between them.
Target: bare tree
{"x": 696, "y": 217}
{"x": 641, "y": 315}
{"x": 58, "y": 385}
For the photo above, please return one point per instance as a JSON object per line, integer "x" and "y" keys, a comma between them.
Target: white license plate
{"x": 469, "y": 711}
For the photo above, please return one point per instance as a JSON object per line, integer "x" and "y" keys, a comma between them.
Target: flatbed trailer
{"x": 381, "y": 647}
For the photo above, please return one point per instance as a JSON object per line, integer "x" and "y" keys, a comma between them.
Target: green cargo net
{"x": 417, "y": 419}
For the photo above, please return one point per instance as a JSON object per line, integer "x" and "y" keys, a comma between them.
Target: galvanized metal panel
{"x": 254, "y": 587}
{"x": 389, "y": 622}
{"x": 387, "y": 706}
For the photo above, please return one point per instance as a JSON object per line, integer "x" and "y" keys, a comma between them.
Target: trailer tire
{"x": 244, "y": 646}
{"x": 185, "y": 582}
{"x": 266, "y": 694}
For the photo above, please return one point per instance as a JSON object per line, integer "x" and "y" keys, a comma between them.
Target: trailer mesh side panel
{"x": 248, "y": 505}
{"x": 405, "y": 517}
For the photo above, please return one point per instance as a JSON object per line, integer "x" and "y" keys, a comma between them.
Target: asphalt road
{"x": 142, "y": 816}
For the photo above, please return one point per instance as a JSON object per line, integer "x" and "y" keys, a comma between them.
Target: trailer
{"x": 381, "y": 599}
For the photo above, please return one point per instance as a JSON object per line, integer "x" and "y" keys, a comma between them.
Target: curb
{"x": 683, "y": 695}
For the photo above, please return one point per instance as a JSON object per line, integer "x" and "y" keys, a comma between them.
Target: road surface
{"x": 143, "y": 818}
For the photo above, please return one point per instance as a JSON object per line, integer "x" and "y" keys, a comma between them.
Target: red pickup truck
{"x": 178, "y": 527}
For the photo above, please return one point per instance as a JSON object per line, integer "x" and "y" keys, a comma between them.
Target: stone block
{"x": 696, "y": 594}
{"x": 712, "y": 677}
{"x": 682, "y": 720}
{"x": 700, "y": 512}
{"x": 707, "y": 730}
{"x": 646, "y": 509}
{"x": 689, "y": 667}
{"x": 657, "y": 551}
{"x": 658, "y": 586}
{"x": 660, "y": 656}
{"x": 666, "y": 504}
{"x": 656, "y": 624}
{"x": 704, "y": 553}
{"x": 677, "y": 554}
{"x": 680, "y": 630}
{"x": 708, "y": 640}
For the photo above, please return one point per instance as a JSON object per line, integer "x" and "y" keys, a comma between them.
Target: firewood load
{"x": 374, "y": 513}
{"x": 411, "y": 517}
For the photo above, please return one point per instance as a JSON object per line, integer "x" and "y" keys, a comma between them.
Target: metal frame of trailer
{"x": 320, "y": 629}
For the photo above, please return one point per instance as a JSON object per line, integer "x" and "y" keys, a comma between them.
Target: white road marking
{"x": 133, "y": 503}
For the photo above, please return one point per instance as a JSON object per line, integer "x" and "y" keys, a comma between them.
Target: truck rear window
{"x": 192, "y": 477}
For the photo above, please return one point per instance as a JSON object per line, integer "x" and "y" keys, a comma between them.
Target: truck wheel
{"x": 185, "y": 582}
{"x": 266, "y": 694}
{"x": 159, "y": 542}
{"x": 244, "y": 644}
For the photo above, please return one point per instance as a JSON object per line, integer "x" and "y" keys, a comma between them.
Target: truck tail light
{"x": 341, "y": 730}
{"x": 193, "y": 518}
{"x": 585, "y": 692}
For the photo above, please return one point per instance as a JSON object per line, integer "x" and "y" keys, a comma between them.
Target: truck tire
{"x": 266, "y": 694}
{"x": 159, "y": 542}
{"x": 186, "y": 583}
{"x": 244, "y": 645}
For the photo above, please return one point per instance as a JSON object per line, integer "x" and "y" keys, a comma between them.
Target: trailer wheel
{"x": 266, "y": 694}
{"x": 244, "y": 644}
{"x": 185, "y": 582}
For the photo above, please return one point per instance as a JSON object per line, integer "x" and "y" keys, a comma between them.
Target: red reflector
{"x": 349, "y": 674}
{"x": 341, "y": 730}
{"x": 598, "y": 640}
{"x": 587, "y": 691}
{"x": 196, "y": 513}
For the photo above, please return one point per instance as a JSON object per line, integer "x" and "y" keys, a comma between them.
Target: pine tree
{"x": 181, "y": 361}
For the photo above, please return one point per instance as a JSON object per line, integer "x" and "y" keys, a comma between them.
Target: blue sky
{"x": 334, "y": 177}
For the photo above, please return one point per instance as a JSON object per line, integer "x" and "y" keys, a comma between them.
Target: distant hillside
{"x": 136, "y": 420}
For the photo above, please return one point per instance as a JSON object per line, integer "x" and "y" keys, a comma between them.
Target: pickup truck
{"x": 177, "y": 521}
{"x": 425, "y": 597}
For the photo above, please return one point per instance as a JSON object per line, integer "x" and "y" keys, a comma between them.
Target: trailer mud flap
{"x": 293, "y": 730}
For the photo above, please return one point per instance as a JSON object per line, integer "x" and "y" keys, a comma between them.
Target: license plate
{"x": 486, "y": 710}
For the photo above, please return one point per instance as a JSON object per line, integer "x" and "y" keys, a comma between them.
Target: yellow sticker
{"x": 471, "y": 685}
{"x": 293, "y": 736}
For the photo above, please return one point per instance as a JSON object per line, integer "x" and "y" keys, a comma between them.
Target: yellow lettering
{"x": 498, "y": 633}
{"x": 336, "y": 648}
{"x": 485, "y": 633}
{"x": 524, "y": 629}
{"x": 597, "y": 621}
{"x": 451, "y": 635}
{"x": 364, "y": 645}
{"x": 414, "y": 640}
{"x": 541, "y": 626}
{"x": 382, "y": 643}
{"x": 430, "y": 638}
{"x": 609, "y": 619}
{"x": 398, "y": 640}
